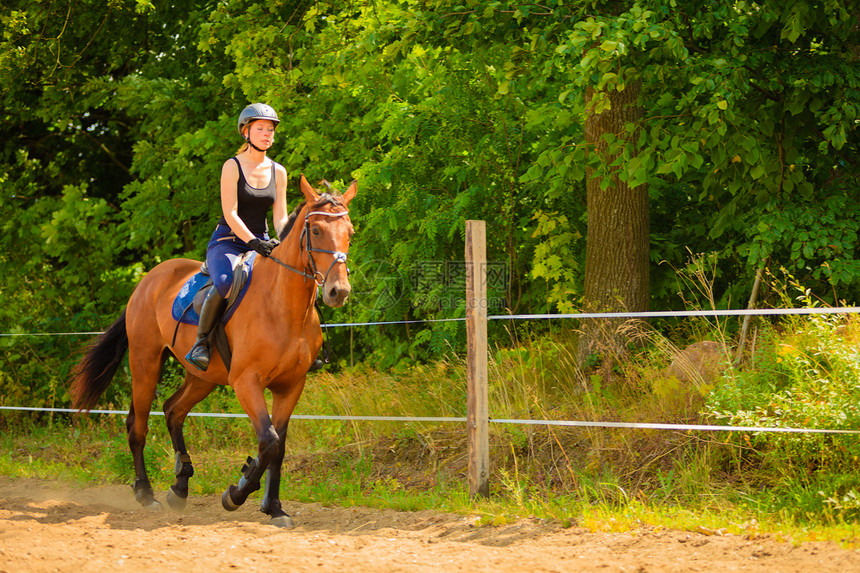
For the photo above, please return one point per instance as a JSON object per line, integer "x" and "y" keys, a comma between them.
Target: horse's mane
{"x": 334, "y": 198}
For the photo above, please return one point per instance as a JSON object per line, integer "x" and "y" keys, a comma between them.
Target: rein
{"x": 339, "y": 257}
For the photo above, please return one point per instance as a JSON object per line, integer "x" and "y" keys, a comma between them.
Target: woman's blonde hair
{"x": 245, "y": 145}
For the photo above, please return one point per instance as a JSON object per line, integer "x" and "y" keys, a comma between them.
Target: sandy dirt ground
{"x": 49, "y": 526}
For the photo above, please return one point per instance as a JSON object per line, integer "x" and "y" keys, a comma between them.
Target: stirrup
{"x": 199, "y": 355}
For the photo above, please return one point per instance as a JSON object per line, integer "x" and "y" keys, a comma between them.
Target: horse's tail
{"x": 92, "y": 375}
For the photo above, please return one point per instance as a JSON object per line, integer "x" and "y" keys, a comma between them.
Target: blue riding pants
{"x": 223, "y": 249}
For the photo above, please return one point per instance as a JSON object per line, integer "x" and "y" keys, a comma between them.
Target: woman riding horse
{"x": 250, "y": 184}
{"x": 274, "y": 334}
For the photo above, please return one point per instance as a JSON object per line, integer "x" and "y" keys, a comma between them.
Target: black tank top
{"x": 254, "y": 203}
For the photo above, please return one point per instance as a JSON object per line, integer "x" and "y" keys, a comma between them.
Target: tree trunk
{"x": 617, "y": 244}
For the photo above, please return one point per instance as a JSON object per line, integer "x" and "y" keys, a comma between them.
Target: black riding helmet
{"x": 254, "y": 112}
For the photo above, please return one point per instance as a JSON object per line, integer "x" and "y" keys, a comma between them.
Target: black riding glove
{"x": 263, "y": 247}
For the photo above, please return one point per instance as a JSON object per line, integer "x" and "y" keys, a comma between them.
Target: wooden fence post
{"x": 477, "y": 407}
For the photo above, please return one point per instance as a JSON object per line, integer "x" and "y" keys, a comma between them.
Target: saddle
{"x": 189, "y": 301}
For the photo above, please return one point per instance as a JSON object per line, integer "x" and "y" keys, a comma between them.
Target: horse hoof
{"x": 175, "y": 500}
{"x": 284, "y": 521}
{"x": 154, "y": 506}
{"x": 227, "y": 500}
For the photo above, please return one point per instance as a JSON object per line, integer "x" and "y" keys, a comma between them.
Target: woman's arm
{"x": 279, "y": 210}
{"x": 230, "y": 200}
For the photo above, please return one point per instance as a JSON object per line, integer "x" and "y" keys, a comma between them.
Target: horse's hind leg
{"x": 176, "y": 409}
{"x": 145, "y": 365}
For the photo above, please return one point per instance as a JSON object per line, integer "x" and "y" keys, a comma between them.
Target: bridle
{"x": 338, "y": 256}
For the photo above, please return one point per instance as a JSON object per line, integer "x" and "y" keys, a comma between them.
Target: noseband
{"x": 338, "y": 256}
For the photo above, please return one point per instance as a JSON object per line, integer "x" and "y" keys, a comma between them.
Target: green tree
{"x": 745, "y": 141}
{"x": 746, "y": 138}
{"x": 69, "y": 148}
{"x": 750, "y": 111}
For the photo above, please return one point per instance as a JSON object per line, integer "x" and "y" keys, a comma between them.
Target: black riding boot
{"x": 210, "y": 313}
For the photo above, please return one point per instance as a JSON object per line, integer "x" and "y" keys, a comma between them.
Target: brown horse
{"x": 275, "y": 335}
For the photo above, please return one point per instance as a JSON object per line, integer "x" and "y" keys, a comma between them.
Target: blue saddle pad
{"x": 186, "y": 295}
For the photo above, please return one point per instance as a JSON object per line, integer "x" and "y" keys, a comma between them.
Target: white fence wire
{"x": 564, "y": 423}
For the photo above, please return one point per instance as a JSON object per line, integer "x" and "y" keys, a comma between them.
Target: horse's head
{"x": 326, "y": 237}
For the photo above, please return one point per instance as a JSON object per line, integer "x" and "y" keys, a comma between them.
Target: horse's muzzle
{"x": 335, "y": 293}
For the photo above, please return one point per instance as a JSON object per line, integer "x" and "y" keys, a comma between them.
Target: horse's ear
{"x": 307, "y": 190}
{"x": 350, "y": 193}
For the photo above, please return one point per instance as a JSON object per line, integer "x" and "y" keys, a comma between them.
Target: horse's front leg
{"x": 250, "y": 395}
{"x": 176, "y": 409}
{"x": 271, "y": 503}
{"x": 284, "y": 402}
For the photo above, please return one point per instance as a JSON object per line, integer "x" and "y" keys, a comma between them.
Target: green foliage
{"x": 744, "y": 108}
{"x": 806, "y": 376}
{"x": 445, "y": 111}
{"x": 555, "y": 258}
